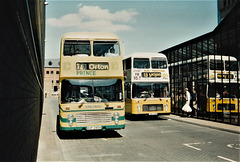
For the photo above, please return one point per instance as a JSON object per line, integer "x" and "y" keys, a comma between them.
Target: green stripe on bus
{"x": 65, "y": 120}
{"x": 85, "y": 128}
{"x": 91, "y": 110}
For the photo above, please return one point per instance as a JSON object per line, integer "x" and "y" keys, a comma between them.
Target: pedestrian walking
{"x": 187, "y": 107}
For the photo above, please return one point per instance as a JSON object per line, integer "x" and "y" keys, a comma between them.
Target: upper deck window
{"x": 216, "y": 64}
{"x": 141, "y": 63}
{"x": 106, "y": 48}
{"x": 159, "y": 63}
{"x": 231, "y": 65}
{"x": 77, "y": 48}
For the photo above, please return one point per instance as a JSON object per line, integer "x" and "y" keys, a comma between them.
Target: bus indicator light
{"x": 67, "y": 108}
{"x": 118, "y": 106}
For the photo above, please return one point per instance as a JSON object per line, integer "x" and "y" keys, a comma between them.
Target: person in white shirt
{"x": 187, "y": 107}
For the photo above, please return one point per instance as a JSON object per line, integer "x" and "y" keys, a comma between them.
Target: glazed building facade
{"x": 191, "y": 67}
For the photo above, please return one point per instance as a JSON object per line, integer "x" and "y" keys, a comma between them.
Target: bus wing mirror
{"x": 120, "y": 96}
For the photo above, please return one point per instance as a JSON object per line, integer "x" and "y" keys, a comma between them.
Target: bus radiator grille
{"x": 156, "y": 107}
{"x": 93, "y": 118}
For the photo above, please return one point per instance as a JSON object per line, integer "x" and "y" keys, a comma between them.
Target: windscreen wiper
{"x": 82, "y": 102}
{"x": 148, "y": 95}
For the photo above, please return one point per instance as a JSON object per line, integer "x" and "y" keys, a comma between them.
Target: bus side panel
{"x": 128, "y": 106}
{"x": 222, "y": 105}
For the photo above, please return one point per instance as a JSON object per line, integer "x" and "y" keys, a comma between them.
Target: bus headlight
{"x": 70, "y": 118}
{"x": 166, "y": 107}
{"x": 116, "y": 116}
{"x": 139, "y": 108}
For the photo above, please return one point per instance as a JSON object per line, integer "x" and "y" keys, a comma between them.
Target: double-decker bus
{"x": 215, "y": 78}
{"x": 146, "y": 84}
{"x": 91, "y": 93}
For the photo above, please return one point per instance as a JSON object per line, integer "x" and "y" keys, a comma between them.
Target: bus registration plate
{"x": 153, "y": 113}
{"x": 94, "y": 127}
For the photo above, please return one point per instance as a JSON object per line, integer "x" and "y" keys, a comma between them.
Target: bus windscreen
{"x": 106, "y": 48}
{"x": 150, "y": 90}
{"x": 91, "y": 90}
{"x": 141, "y": 63}
{"x": 76, "y": 47}
{"x": 231, "y": 65}
{"x": 159, "y": 63}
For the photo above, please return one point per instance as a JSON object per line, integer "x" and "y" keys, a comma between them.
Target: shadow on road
{"x": 143, "y": 117}
{"x": 89, "y": 134}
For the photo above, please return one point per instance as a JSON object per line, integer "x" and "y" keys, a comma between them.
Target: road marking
{"x": 234, "y": 147}
{"x": 101, "y": 155}
{"x": 198, "y": 143}
{"x": 170, "y": 131}
{"x": 221, "y": 157}
{"x": 189, "y": 145}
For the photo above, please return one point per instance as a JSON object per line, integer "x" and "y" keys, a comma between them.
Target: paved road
{"x": 143, "y": 139}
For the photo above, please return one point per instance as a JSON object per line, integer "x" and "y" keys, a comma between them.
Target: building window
{"x": 50, "y": 63}
{"x": 57, "y": 72}
{"x": 55, "y": 88}
{"x": 47, "y": 72}
{"x": 57, "y": 81}
{"x": 51, "y": 72}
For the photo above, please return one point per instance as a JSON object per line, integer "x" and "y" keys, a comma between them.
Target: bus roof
{"x": 208, "y": 57}
{"x": 89, "y": 35}
{"x": 219, "y": 57}
{"x": 146, "y": 55}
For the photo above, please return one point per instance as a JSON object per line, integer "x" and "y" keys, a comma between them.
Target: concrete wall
{"x": 22, "y": 27}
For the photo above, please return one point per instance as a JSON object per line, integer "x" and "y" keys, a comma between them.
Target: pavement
{"x": 205, "y": 123}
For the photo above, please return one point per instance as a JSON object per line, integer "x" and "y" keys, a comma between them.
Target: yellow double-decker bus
{"x": 222, "y": 91}
{"x": 215, "y": 78}
{"x": 91, "y": 93}
{"x": 147, "y": 84}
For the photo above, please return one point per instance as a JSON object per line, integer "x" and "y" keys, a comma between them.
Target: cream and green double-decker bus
{"x": 91, "y": 93}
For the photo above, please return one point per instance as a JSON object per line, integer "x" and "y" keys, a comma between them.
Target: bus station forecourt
{"x": 93, "y": 88}
{"x": 49, "y": 149}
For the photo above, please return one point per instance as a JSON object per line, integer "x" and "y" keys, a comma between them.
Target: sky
{"x": 142, "y": 25}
